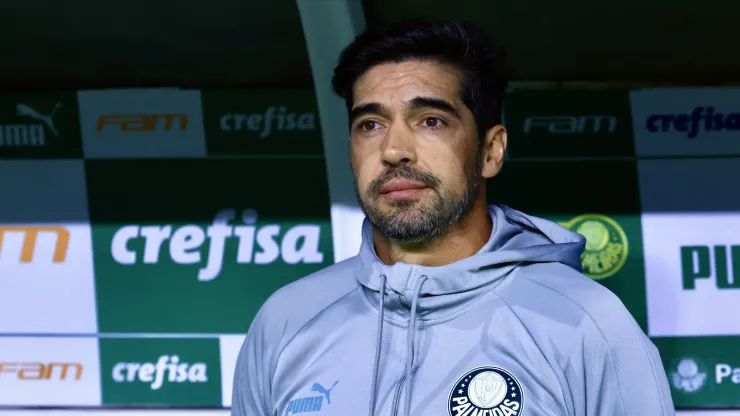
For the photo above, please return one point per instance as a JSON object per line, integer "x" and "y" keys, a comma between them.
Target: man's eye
{"x": 368, "y": 125}
{"x": 433, "y": 122}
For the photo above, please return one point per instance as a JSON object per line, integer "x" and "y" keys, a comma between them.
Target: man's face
{"x": 414, "y": 150}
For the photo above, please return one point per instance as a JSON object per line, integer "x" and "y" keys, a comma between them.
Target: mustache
{"x": 404, "y": 172}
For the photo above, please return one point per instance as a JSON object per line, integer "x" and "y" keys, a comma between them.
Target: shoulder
{"x": 592, "y": 337}
{"x": 295, "y": 304}
{"x": 555, "y": 294}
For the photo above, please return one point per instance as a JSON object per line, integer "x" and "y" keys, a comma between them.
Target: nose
{"x": 399, "y": 146}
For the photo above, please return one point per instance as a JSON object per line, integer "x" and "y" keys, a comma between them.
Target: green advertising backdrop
{"x": 262, "y": 121}
{"x": 162, "y": 246}
{"x": 219, "y": 235}
{"x": 146, "y": 371}
{"x": 703, "y": 372}
{"x": 583, "y": 123}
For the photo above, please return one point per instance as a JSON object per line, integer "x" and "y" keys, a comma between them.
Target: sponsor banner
{"x": 152, "y": 371}
{"x": 230, "y": 346}
{"x": 689, "y": 185}
{"x": 573, "y": 194}
{"x": 692, "y": 268}
{"x": 568, "y": 123}
{"x": 217, "y": 234}
{"x": 40, "y": 125}
{"x": 142, "y": 123}
{"x": 702, "y": 372}
{"x": 686, "y": 121}
{"x": 46, "y": 269}
{"x": 49, "y": 371}
{"x": 262, "y": 121}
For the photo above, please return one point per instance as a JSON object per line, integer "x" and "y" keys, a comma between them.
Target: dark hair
{"x": 482, "y": 65}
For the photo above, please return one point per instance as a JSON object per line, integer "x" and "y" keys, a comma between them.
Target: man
{"x": 451, "y": 307}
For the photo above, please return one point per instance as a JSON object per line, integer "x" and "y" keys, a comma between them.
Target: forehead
{"x": 400, "y": 82}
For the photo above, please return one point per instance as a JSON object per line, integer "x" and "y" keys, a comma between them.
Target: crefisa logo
{"x": 486, "y": 391}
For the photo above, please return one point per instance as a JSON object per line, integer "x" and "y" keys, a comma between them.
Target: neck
{"x": 462, "y": 241}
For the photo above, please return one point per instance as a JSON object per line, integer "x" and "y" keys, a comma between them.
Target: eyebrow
{"x": 436, "y": 103}
{"x": 369, "y": 108}
{"x": 414, "y": 104}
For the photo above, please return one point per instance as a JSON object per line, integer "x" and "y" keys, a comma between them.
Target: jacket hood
{"x": 516, "y": 239}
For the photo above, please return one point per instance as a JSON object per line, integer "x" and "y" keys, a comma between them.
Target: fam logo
{"x": 486, "y": 391}
{"x": 570, "y": 124}
{"x": 143, "y": 122}
{"x": 43, "y": 371}
{"x": 606, "y": 244}
{"x": 311, "y": 403}
{"x": 688, "y": 375}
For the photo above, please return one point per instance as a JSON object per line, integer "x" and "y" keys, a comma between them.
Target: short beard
{"x": 414, "y": 223}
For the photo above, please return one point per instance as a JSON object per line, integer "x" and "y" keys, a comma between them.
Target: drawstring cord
{"x": 378, "y": 342}
{"x": 411, "y": 340}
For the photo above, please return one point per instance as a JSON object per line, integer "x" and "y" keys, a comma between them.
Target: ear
{"x": 494, "y": 148}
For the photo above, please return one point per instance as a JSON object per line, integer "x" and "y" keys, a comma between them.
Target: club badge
{"x": 486, "y": 391}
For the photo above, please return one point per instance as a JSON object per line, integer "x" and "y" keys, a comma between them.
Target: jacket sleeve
{"x": 624, "y": 375}
{"x": 252, "y": 375}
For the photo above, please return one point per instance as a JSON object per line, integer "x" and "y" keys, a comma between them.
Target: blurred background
{"x": 167, "y": 165}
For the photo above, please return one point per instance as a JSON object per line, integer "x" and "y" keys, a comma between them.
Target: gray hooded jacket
{"x": 515, "y": 329}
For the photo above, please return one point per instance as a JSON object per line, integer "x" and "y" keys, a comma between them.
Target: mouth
{"x": 401, "y": 189}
